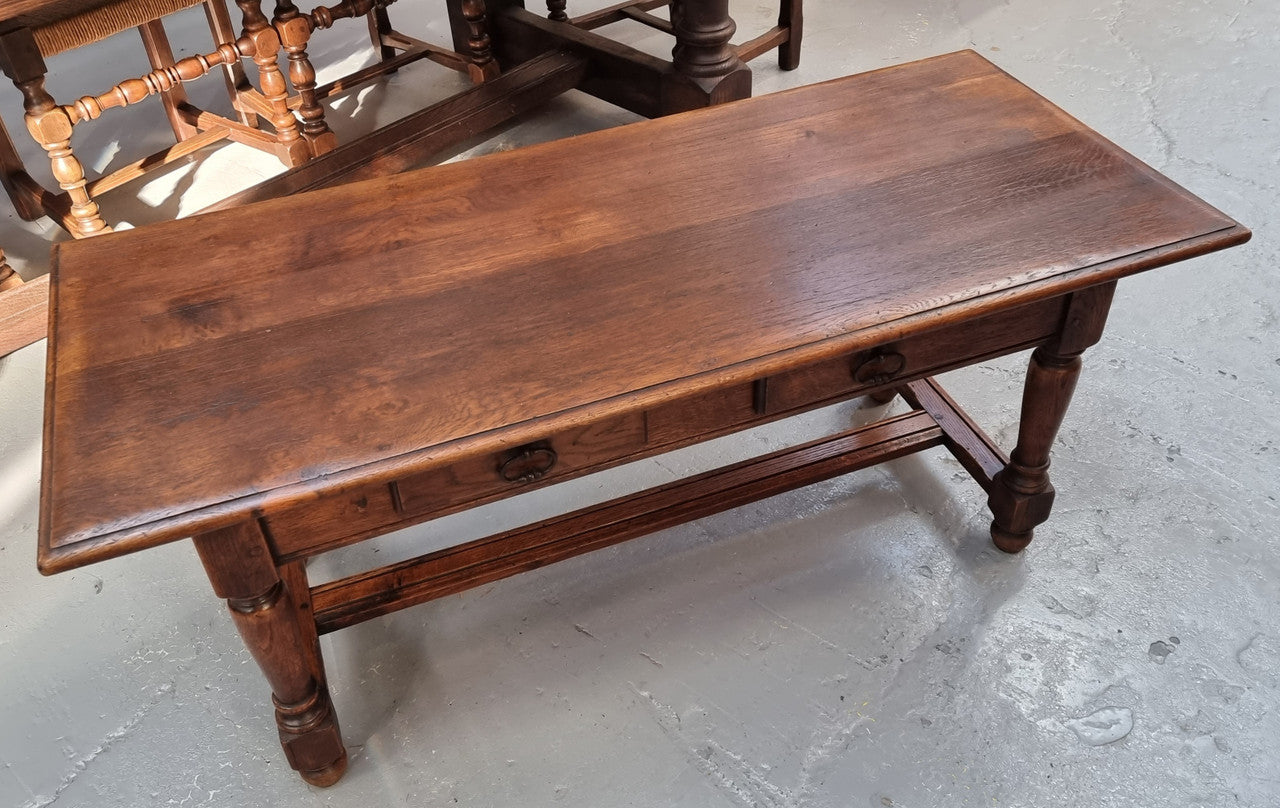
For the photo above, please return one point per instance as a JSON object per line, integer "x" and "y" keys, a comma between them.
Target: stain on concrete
{"x": 1159, "y": 651}
{"x": 1104, "y": 726}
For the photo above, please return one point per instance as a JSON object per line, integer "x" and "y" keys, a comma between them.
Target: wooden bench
{"x": 479, "y": 329}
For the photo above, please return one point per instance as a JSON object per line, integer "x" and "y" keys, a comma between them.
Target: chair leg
{"x": 295, "y": 33}
{"x": 291, "y": 147}
{"x": 51, "y": 127}
{"x": 791, "y": 17}
{"x": 22, "y": 189}
{"x": 556, "y": 10}
{"x": 215, "y": 12}
{"x": 380, "y": 26}
{"x": 482, "y": 67}
{"x": 160, "y": 55}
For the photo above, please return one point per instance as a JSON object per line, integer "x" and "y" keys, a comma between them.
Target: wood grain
{"x": 340, "y": 519}
{"x": 359, "y": 597}
{"x": 575, "y": 450}
{"x": 24, "y": 314}
{"x": 281, "y": 637}
{"x": 979, "y": 455}
{"x": 536, "y": 290}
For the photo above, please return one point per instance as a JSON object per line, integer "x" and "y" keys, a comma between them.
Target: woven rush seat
{"x": 62, "y": 26}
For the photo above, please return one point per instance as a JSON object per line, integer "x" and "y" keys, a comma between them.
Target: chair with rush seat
{"x": 44, "y": 28}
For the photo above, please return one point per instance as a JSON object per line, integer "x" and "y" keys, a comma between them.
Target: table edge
{"x": 51, "y": 559}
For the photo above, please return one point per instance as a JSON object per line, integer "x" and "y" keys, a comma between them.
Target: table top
{"x": 205, "y": 370}
{"x": 39, "y": 10}
{"x": 98, "y": 19}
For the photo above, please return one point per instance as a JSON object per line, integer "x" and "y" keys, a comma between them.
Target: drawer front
{"x": 370, "y": 510}
{"x": 721, "y": 411}
{"x": 493, "y": 476}
{"x": 910, "y": 358}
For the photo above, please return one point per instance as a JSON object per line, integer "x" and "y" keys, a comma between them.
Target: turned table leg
{"x": 706, "y": 69}
{"x": 270, "y": 618}
{"x": 1021, "y": 495}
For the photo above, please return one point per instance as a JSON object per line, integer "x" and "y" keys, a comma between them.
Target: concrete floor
{"x": 857, "y": 643}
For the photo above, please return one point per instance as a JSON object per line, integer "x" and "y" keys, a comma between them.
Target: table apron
{"x": 367, "y": 511}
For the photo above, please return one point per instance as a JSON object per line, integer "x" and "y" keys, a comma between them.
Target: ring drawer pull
{"x": 528, "y": 464}
{"x": 879, "y": 367}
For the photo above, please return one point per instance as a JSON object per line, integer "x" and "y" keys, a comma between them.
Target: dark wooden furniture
{"x": 785, "y": 36}
{"x": 478, "y": 329}
{"x": 706, "y": 68}
{"x": 542, "y": 58}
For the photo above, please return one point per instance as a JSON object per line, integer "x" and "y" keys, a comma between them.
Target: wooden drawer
{"x": 889, "y": 364}
{"x": 495, "y": 476}
{"x": 369, "y": 510}
{"x": 902, "y": 360}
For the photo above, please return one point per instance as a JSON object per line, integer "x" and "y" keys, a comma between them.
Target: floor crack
{"x": 81, "y": 764}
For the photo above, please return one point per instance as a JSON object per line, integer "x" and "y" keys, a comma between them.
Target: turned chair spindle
{"x": 8, "y": 278}
{"x": 55, "y": 28}
{"x": 131, "y": 91}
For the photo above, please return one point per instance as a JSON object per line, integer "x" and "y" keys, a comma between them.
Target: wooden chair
{"x": 395, "y": 49}
{"x": 43, "y": 28}
{"x": 473, "y": 55}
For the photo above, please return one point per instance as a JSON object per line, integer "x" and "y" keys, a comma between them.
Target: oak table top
{"x": 407, "y": 322}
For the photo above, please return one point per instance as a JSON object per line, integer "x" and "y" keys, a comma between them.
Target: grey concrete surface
{"x": 853, "y": 644}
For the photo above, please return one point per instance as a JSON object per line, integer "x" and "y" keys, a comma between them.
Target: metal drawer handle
{"x": 528, "y": 464}
{"x": 879, "y": 367}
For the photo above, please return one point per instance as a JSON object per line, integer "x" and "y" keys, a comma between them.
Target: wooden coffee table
{"x": 425, "y": 343}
